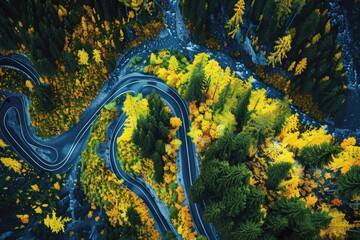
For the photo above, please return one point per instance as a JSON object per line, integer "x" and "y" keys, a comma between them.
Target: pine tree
{"x": 213, "y": 212}
{"x": 234, "y": 23}
{"x": 159, "y": 167}
{"x": 318, "y": 155}
{"x": 133, "y": 216}
{"x": 276, "y": 173}
{"x": 147, "y": 145}
{"x": 241, "y": 110}
{"x": 283, "y": 218}
{"x": 275, "y": 224}
{"x": 248, "y": 231}
{"x": 240, "y": 148}
{"x": 196, "y": 191}
{"x": 291, "y": 208}
{"x": 219, "y": 105}
{"x": 222, "y": 148}
{"x": 300, "y": 67}
{"x": 233, "y": 176}
{"x": 281, "y": 118}
{"x": 196, "y": 85}
{"x": 255, "y": 198}
{"x": 349, "y": 184}
{"x": 234, "y": 200}
{"x": 283, "y": 45}
{"x": 321, "y": 219}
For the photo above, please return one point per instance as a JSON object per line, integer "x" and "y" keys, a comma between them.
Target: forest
{"x": 206, "y": 119}
{"x": 293, "y": 42}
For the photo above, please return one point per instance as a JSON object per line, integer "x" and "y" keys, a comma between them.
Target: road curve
{"x": 59, "y": 153}
{"x": 21, "y": 63}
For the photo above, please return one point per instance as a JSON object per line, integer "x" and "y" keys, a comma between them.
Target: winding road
{"x": 59, "y": 153}
{"x": 21, "y": 63}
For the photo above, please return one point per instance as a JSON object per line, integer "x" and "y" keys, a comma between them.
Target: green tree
{"x": 241, "y": 110}
{"x": 276, "y": 224}
{"x": 158, "y": 167}
{"x": 248, "y": 231}
{"x": 222, "y": 148}
{"x": 151, "y": 133}
{"x": 349, "y": 184}
{"x": 170, "y": 235}
{"x": 234, "y": 200}
{"x": 196, "y": 191}
{"x": 283, "y": 222}
{"x": 220, "y": 104}
{"x": 233, "y": 176}
{"x": 240, "y": 148}
{"x": 133, "y": 216}
{"x": 196, "y": 85}
{"x": 213, "y": 212}
{"x": 318, "y": 155}
{"x": 276, "y": 173}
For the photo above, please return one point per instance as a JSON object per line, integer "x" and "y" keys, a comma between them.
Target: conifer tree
{"x": 241, "y": 110}
{"x": 349, "y": 184}
{"x": 276, "y": 173}
{"x": 318, "y": 155}
{"x": 248, "y": 231}
{"x": 219, "y": 105}
{"x": 196, "y": 85}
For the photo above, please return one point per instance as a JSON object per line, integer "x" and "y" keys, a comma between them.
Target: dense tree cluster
{"x": 319, "y": 155}
{"x": 197, "y": 13}
{"x": 126, "y": 212}
{"x": 313, "y": 45}
{"x": 235, "y": 207}
{"x": 349, "y": 184}
{"x": 155, "y": 164}
{"x": 295, "y": 36}
{"x": 230, "y": 199}
{"x": 41, "y": 26}
{"x": 151, "y": 133}
{"x": 25, "y": 199}
{"x": 131, "y": 230}
{"x": 37, "y": 28}
{"x": 252, "y": 141}
{"x": 289, "y": 218}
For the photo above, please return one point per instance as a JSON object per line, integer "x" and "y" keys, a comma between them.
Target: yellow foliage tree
{"x": 316, "y": 38}
{"x": 134, "y": 4}
{"x": 97, "y": 56}
{"x": 134, "y": 107}
{"x": 300, "y": 67}
{"x": 57, "y": 186}
{"x": 292, "y": 66}
{"x": 227, "y": 119}
{"x": 338, "y": 225}
{"x": 24, "y": 218}
{"x": 283, "y": 45}
{"x": 346, "y": 159}
{"x": 56, "y": 224}
{"x": 11, "y": 164}
{"x": 175, "y": 122}
{"x": 351, "y": 141}
{"x": 173, "y": 63}
{"x": 2, "y": 143}
{"x": 311, "y": 200}
{"x": 35, "y": 187}
{"x": 29, "y": 85}
{"x": 233, "y": 25}
{"x": 38, "y": 210}
{"x": 83, "y": 57}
